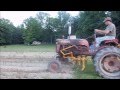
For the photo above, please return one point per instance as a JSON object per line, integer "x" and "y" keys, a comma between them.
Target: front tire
{"x": 107, "y": 63}
{"x": 54, "y": 66}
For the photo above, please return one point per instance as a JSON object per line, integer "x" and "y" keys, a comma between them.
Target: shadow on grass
{"x": 88, "y": 73}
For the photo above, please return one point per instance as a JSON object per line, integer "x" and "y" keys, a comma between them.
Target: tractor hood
{"x": 72, "y": 42}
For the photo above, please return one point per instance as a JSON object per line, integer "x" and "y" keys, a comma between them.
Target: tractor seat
{"x": 112, "y": 41}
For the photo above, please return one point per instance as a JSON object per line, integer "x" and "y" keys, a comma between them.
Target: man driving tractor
{"x": 106, "y": 58}
{"x": 109, "y": 32}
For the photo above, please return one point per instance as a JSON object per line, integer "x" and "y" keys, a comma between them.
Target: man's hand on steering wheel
{"x": 96, "y": 31}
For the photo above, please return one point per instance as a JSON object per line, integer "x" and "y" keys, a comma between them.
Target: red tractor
{"x": 106, "y": 58}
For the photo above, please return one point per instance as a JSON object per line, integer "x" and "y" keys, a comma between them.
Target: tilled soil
{"x": 31, "y": 65}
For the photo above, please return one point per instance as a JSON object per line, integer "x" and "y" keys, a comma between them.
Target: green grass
{"x": 25, "y": 48}
{"x": 88, "y": 73}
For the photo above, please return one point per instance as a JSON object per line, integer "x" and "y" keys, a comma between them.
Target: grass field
{"x": 25, "y": 48}
{"x": 88, "y": 73}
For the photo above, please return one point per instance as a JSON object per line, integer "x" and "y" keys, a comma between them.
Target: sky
{"x": 17, "y": 17}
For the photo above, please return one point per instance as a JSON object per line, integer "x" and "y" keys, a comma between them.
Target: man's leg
{"x": 100, "y": 39}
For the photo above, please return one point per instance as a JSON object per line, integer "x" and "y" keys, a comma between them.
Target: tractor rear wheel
{"x": 54, "y": 66}
{"x": 107, "y": 62}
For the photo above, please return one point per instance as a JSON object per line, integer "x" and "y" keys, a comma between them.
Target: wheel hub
{"x": 111, "y": 63}
{"x": 54, "y": 66}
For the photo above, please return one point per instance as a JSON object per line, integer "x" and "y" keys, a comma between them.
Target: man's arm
{"x": 102, "y": 31}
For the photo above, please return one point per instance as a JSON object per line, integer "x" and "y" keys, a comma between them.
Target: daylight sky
{"x": 17, "y": 17}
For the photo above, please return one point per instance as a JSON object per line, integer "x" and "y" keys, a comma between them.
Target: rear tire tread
{"x": 97, "y": 58}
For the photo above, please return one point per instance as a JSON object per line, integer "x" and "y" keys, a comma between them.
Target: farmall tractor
{"x": 106, "y": 58}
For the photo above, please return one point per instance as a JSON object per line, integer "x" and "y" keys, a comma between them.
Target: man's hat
{"x": 107, "y": 19}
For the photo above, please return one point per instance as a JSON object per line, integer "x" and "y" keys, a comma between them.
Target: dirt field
{"x": 30, "y": 65}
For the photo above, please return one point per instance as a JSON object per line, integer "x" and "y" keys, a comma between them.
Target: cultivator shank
{"x": 118, "y": 46}
{"x": 75, "y": 57}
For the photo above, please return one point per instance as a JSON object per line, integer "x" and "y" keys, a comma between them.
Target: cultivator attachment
{"x": 118, "y": 46}
{"x": 72, "y": 53}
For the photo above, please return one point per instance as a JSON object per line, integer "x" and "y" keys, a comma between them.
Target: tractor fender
{"x": 100, "y": 48}
{"x": 114, "y": 41}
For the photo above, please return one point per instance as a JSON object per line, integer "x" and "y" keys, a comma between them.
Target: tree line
{"x": 47, "y": 29}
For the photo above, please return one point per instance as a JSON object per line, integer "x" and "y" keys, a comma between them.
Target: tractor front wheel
{"x": 107, "y": 62}
{"x": 54, "y": 66}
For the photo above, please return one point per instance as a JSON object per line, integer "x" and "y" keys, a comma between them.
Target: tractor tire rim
{"x": 110, "y": 63}
{"x": 54, "y": 67}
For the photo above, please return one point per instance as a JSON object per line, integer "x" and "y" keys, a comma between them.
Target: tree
{"x": 44, "y": 28}
{"x": 17, "y": 35}
{"x": 63, "y": 17}
{"x": 43, "y": 18}
{"x": 115, "y": 15}
{"x": 33, "y": 30}
{"x": 6, "y": 29}
{"x": 53, "y": 27}
{"x": 88, "y": 21}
